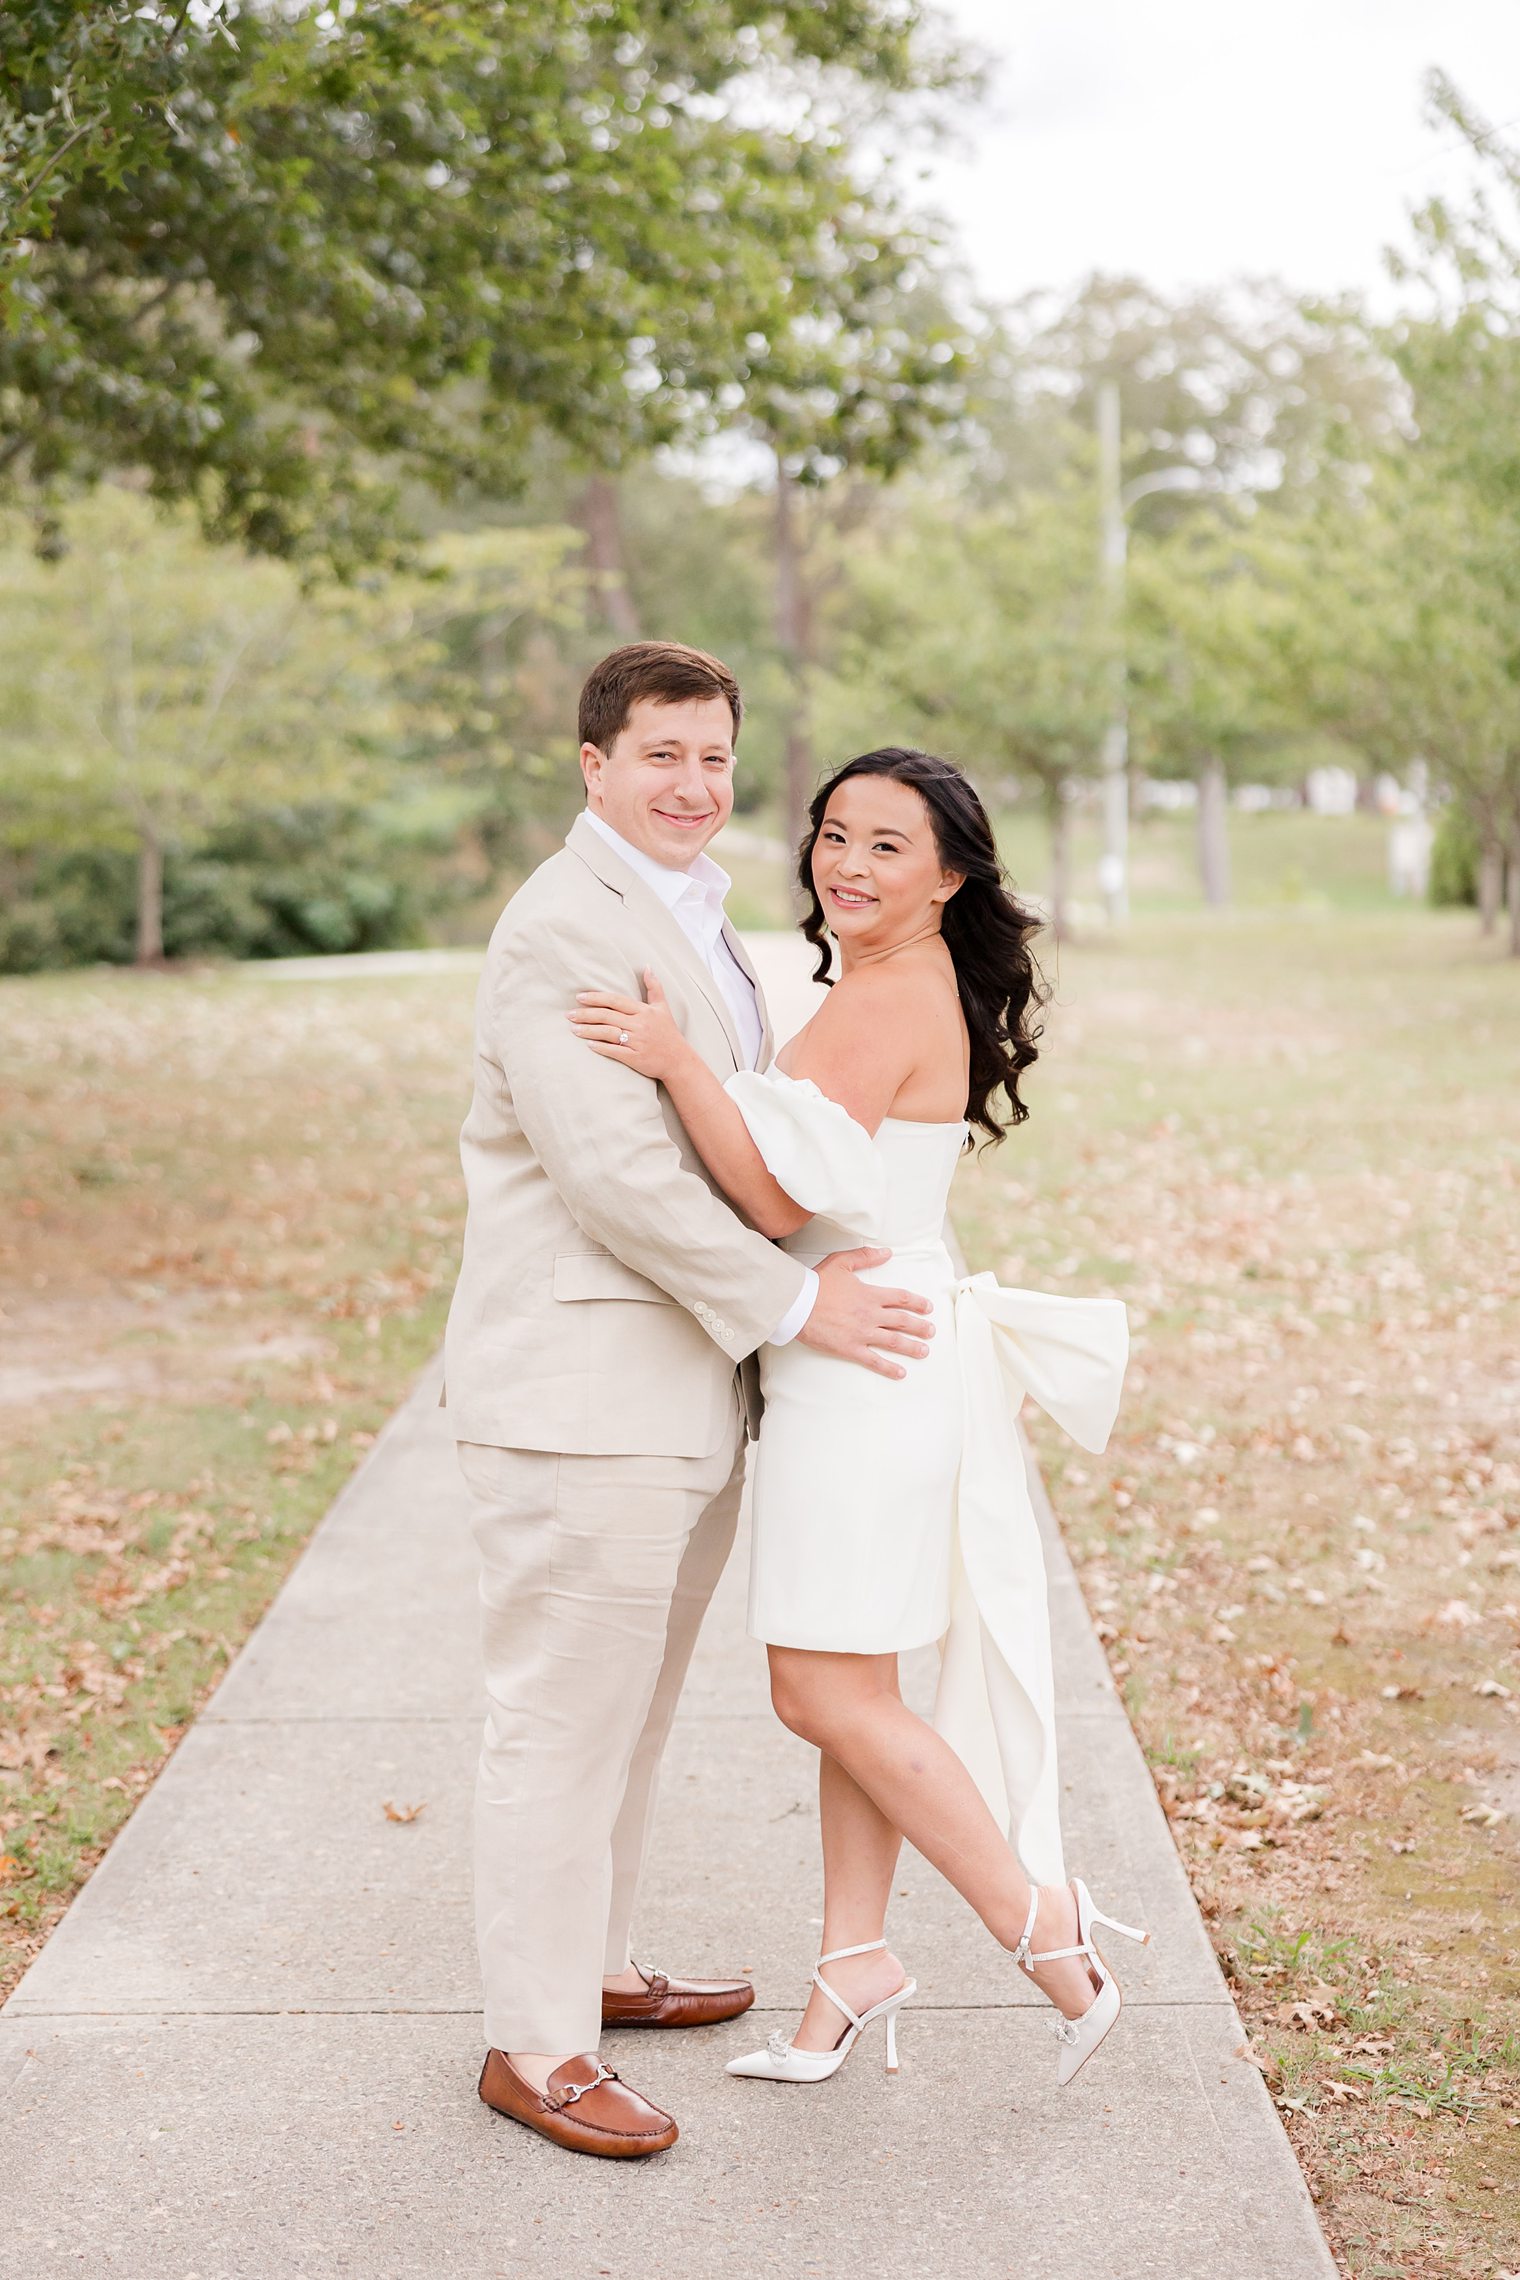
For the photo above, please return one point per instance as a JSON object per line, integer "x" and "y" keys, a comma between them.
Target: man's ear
{"x": 593, "y": 761}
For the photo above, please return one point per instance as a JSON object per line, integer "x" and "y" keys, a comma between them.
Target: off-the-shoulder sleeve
{"x": 814, "y": 1149}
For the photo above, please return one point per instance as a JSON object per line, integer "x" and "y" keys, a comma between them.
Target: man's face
{"x": 667, "y": 785}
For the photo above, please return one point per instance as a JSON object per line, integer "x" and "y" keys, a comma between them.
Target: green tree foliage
{"x": 279, "y": 256}
{"x": 1462, "y": 363}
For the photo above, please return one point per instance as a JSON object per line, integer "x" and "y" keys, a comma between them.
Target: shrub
{"x": 284, "y": 883}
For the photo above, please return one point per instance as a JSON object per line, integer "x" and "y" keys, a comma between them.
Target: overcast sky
{"x": 1193, "y": 140}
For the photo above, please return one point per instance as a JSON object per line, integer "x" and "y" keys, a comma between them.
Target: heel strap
{"x": 837, "y": 1955}
{"x": 1021, "y": 1954}
{"x": 838, "y": 2001}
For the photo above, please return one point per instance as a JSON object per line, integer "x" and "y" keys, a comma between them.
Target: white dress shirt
{"x": 695, "y": 897}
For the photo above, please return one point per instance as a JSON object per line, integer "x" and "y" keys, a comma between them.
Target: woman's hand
{"x": 642, "y": 1036}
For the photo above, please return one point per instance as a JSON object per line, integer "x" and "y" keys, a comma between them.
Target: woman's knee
{"x": 791, "y": 1698}
{"x": 813, "y": 1701}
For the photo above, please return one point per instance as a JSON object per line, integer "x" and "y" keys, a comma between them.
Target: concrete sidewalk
{"x": 250, "y": 2049}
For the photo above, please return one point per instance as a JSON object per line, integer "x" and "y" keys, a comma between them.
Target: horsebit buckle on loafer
{"x": 579, "y": 2089}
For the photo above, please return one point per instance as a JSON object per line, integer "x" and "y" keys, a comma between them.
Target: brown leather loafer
{"x": 587, "y": 2108}
{"x": 699, "y": 2003}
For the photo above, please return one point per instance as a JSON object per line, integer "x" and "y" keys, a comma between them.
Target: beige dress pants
{"x": 595, "y": 1575}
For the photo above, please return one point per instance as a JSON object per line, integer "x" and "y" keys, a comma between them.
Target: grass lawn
{"x": 229, "y": 1209}
{"x": 1291, "y": 1142}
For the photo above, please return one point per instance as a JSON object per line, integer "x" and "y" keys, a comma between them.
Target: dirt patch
{"x": 179, "y": 1346}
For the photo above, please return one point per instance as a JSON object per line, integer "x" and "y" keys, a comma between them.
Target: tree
{"x": 279, "y": 258}
{"x": 1462, "y": 363}
{"x": 1205, "y": 605}
{"x": 983, "y": 633}
{"x": 159, "y": 688}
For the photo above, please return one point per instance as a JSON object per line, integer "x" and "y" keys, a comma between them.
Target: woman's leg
{"x": 860, "y": 1849}
{"x": 849, "y": 1707}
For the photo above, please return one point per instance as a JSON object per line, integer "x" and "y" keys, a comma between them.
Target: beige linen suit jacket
{"x": 608, "y": 1292}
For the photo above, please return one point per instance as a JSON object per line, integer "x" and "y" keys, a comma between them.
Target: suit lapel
{"x": 660, "y": 922}
{"x": 743, "y": 962}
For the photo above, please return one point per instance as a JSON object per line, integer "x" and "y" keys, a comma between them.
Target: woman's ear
{"x": 950, "y": 883}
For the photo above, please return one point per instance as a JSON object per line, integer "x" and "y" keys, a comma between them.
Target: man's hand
{"x": 860, "y": 1322}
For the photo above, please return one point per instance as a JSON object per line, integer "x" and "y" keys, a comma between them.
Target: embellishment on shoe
{"x": 1066, "y": 2030}
{"x": 779, "y": 2044}
{"x": 578, "y": 2089}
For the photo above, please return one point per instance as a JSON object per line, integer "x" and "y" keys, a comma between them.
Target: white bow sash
{"x": 995, "y": 1703}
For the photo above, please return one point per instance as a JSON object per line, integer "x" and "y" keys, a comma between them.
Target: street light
{"x": 1117, "y": 500}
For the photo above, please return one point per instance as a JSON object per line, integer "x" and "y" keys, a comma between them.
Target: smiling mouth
{"x": 684, "y": 822}
{"x": 847, "y": 899}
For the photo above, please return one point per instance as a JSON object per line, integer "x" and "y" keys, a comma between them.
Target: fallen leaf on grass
{"x": 1483, "y": 1816}
{"x": 1316, "y": 2008}
{"x": 1341, "y": 2091}
{"x": 402, "y": 1812}
{"x": 1493, "y": 1688}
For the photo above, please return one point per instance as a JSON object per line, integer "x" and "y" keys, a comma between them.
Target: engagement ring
{"x": 622, "y": 1036}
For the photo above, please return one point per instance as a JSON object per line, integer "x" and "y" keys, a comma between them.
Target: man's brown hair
{"x": 666, "y": 670}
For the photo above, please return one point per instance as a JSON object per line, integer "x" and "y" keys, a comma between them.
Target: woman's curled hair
{"x": 986, "y": 929}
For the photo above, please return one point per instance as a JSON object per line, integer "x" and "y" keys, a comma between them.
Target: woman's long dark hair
{"x": 986, "y": 929}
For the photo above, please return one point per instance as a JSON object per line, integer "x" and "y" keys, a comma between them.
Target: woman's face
{"x": 876, "y": 866}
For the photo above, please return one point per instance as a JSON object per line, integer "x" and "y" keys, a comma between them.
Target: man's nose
{"x": 691, "y": 786}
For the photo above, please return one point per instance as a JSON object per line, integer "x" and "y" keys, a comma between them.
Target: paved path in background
{"x": 249, "y": 2050}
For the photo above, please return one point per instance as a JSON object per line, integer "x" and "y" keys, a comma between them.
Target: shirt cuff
{"x": 797, "y": 1313}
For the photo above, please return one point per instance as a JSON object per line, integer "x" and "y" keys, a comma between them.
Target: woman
{"x": 889, "y": 1512}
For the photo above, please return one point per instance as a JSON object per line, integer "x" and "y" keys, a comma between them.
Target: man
{"x": 601, "y": 1382}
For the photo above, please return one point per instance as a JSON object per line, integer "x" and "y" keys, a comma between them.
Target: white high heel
{"x": 1079, "y": 2038}
{"x": 780, "y": 2062}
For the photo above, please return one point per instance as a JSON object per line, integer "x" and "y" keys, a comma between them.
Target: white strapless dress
{"x": 889, "y": 1513}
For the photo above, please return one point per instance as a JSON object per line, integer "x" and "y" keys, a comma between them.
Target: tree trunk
{"x": 1058, "y": 813}
{"x": 1214, "y": 832}
{"x": 1514, "y": 899}
{"x": 149, "y": 949}
{"x": 793, "y": 631}
{"x": 602, "y": 524}
{"x": 1490, "y": 884}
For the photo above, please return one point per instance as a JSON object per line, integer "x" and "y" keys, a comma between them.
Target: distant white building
{"x": 1409, "y": 844}
{"x": 1331, "y": 791}
{"x": 1169, "y": 792}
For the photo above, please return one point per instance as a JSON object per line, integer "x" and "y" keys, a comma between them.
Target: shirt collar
{"x": 702, "y": 876}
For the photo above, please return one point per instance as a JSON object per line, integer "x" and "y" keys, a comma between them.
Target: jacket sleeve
{"x": 599, "y": 1132}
